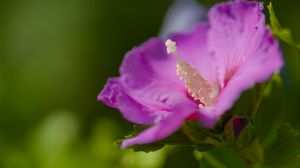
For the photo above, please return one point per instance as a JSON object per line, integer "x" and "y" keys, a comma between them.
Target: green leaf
{"x": 284, "y": 152}
{"x": 253, "y": 155}
{"x": 283, "y": 34}
{"x": 147, "y": 147}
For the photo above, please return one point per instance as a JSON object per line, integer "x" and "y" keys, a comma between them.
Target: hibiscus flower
{"x": 196, "y": 75}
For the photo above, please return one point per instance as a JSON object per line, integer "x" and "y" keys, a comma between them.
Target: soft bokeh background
{"x": 55, "y": 57}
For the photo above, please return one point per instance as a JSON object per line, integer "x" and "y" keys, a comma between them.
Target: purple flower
{"x": 215, "y": 63}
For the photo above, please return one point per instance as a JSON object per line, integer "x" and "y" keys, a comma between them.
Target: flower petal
{"x": 165, "y": 128}
{"x": 251, "y": 74}
{"x": 115, "y": 96}
{"x": 148, "y": 63}
{"x": 235, "y": 31}
{"x": 245, "y": 52}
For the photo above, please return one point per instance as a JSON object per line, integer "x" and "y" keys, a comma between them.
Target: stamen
{"x": 198, "y": 87}
{"x": 172, "y": 49}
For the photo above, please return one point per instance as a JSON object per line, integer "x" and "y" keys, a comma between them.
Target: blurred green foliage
{"x": 55, "y": 57}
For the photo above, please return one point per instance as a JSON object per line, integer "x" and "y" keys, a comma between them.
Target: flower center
{"x": 198, "y": 87}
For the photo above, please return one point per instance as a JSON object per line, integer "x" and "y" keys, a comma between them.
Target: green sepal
{"x": 152, "y": 147}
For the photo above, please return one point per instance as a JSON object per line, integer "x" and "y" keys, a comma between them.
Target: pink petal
{"x": 148, "y": 64}
{"x": 165, "y": 128}
{"x": 245, "y": 52}
{"x": 236, "y": 29}
{"x": 135, "y": 111}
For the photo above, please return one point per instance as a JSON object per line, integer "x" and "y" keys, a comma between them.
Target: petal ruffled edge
{"x": 115, "y": 96}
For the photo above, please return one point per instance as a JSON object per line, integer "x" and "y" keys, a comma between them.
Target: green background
{"x": 55, "y": 57}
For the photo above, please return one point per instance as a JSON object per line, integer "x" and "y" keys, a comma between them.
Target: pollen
{"x": 171, "y": 46}
{"x": 198, "y": 87}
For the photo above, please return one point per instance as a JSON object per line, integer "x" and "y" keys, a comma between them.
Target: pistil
{"x": 198, "y": 87}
